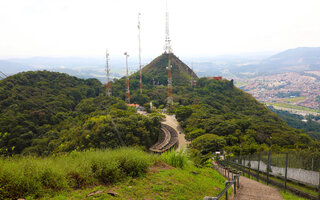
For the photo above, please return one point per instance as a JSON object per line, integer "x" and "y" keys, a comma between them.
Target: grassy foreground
{"x": 290, "y": 196}
{"x": 131, "y": 173}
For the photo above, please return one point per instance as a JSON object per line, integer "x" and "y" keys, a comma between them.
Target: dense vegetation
{"x": 311, "y": 127}
{"x": 236, "y": 118}
{"x": 44, "y": 112}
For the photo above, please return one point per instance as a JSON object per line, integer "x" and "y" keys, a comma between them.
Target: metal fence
{"x": 283, "y": 168}
{"x": 233, "y": 179}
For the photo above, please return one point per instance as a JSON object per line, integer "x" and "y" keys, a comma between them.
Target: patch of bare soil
{"x": 159, "y": 166}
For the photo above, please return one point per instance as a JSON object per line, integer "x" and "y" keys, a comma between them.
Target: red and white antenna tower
{"x": 168, "y": 50}
{"x": 108, "y": 89}
{"x": 127, "y": 81}
{"x": 191, "y": 74}
{"x": 140, "y": 66}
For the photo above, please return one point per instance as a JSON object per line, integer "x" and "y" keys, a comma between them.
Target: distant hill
{"x": 298, "y": 59}
{"x": 9, "y": 67}
{"x": 157, "y": 70}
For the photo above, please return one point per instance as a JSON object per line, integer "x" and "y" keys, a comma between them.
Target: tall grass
{"x": 34, "y": 176}
{"x": 175, "y": 158}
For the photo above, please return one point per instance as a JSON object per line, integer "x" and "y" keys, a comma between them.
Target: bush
{"x": 34, "y": 176}
{"x": 175, "y": 158}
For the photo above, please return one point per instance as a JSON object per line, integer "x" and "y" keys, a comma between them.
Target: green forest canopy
{"x": 46, "y": 112}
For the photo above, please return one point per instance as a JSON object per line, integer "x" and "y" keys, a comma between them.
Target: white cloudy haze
{"x": 199, "y": 27}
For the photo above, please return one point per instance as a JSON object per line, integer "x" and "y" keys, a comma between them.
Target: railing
{"x": 266, "y": 176}
{"x": 226, "y": 171}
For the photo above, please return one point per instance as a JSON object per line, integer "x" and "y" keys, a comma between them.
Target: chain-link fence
{"x": 300, "y": 167}
{"x": 296, "y": 168}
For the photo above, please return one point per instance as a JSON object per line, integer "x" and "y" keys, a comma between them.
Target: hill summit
{"x": 157, "y": 71}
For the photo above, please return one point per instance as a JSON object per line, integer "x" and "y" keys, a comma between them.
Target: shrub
{"x": 34, "y": 176}
{"x": 175, "y": 158}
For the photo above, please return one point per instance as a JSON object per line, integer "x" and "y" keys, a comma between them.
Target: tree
{"x": 183, "y": 112}
{"x": 208, "y": 143}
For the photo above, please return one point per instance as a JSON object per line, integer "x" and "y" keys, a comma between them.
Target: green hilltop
{"x": 157, "y": 70}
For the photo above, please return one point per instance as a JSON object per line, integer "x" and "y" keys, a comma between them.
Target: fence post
{"x": 259, "y": 166}
{"x": 285, "y": 174}
{"x": 228, "y": 173}
{"x": 235, "y": 184}
{"x": 268, "y": 167}
{"x": 231, "y": 174}
{"x": 238, "y": 182}
{"x": 319, "y": 186}
{"x": 249, "y": 165}
{"x": 225, "y": 185}
{"x": 244, "y": 165}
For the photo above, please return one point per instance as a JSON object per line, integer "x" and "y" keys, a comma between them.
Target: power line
{"x": 116, "y": 129}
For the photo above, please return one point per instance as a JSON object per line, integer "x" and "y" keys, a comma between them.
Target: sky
{"x": 64, "y": 28}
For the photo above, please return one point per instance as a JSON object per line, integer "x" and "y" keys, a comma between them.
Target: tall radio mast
{"x": 108, "y": 90}
{"x": 168, "y": 50}
{"x": 191, "y": 74}
{"x": 140, "y": 66}
{"x": 127, "y": 81}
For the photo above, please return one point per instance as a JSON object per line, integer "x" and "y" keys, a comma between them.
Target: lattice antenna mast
{"x": 167, "y": 46}
{"x": 127, "y": 81}
{"x": 140, "y": 66}
{"x": 191, "y": 74}
{"x": 108, "y": 89}
{"x": 168, "y": 50}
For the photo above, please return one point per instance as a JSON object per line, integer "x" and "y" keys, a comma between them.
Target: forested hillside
{"x": 311, "y": 127}
{"x": 217, "y": 115}
{"x": 45, "y": 112}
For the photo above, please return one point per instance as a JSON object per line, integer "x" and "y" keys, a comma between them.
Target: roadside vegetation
{"x": 290, "y": 196}
{"x": 128, "y": 170}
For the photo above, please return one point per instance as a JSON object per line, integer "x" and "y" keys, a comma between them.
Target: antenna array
{"x": 140, "y": 66}
{"x": 168, "y": 50}
{"x": 127, "y": 81}
{"x": 108, "y": 89}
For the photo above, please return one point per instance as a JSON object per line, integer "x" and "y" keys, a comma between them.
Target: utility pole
{"x": 127, "y": 81}
{"x": 108, "y": 89}
{"x": 140, "y": 53}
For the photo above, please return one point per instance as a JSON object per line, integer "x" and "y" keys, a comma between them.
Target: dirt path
{"x": 253, "y": 190}
{"x": 172, "y": 121}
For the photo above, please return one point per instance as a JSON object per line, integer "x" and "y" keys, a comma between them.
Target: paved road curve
{"x": 253, "y": 190}
{"x": 173, "y": 122}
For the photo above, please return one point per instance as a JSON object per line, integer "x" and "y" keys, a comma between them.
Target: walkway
{"x": 253, "y": 190}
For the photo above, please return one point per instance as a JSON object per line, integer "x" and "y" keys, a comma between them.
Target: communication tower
{"x": 191, "y": 74}
{"x": 127, "y": 81}
{"x": 140, "y": 66}
{"x": 168, "y": 50}
{"x": 108, "y": 89}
